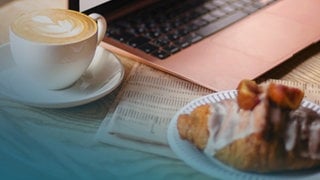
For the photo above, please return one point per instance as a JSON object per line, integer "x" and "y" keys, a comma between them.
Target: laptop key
{"x": 193, "y": 38}
{"x": 161, "y": 54}
{"x": 228, "y": 9}
{"x": 137, "y": 41}
{"x": 218, "y": 13}
{"x": 221, "y": 23}
{"x": 174, "y": 35}
{"x": 209, "y": 5}
{"x": 250, "y": 9}
{"x": 148, "y": 48}
{"x": 197, "y": 23}
{"x": 171, "y": 48}
{"x": 247, "y": 1}
{"x": 219, "y": 2}
{"x": 182, "y": 42}
{"x": 122, "y": 37}
{"x": 238, "y": 4}
{"x": 208, "y": 17}
{"x": 162, "y": 41}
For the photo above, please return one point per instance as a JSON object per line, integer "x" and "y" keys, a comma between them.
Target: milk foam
{"x": 54, "y": 26}
{"x": 61, "y": 28}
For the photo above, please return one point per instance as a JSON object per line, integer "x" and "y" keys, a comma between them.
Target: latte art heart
{"x": 61, "y": 28}
{"x": 54, "y": 26}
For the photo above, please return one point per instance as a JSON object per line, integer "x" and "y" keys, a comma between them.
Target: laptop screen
{"x": 89, "y": 4}
{"x": 108, "y": 8}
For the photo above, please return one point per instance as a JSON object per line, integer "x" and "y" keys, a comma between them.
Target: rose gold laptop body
{"x": 245, "y": 49}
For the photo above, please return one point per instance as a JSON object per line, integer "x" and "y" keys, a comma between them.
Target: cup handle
{"x": 101, "y": 24}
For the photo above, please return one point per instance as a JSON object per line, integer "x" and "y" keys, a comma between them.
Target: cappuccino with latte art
{"x": 54, "y": 47}
{"x": 54, "y": 26}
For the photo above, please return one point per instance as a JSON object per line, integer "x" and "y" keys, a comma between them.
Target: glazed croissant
{"x": 263, "y": 130}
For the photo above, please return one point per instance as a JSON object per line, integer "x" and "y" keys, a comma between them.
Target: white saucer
{"x": 102, "y": 77}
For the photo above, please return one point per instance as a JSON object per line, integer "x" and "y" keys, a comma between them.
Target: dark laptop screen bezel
{"x": 105, "y": 9}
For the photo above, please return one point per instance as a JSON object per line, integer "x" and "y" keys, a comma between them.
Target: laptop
{"x": 214, "y": 43}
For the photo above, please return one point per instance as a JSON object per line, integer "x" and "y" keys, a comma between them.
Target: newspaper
{"x": 139, "y": 117}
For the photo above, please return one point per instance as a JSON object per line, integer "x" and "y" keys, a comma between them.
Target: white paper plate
{"x": 212, "y": 167}
{"x": 102, "y": 77}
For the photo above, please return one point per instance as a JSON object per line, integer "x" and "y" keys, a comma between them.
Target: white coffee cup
{"x": 55, "y": 46}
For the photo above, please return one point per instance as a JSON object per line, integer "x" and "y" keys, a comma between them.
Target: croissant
{"x": 269, "y": 132}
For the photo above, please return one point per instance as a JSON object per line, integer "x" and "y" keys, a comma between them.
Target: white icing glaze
{"x": 291, "y": 135}
{"x": 214, "y": 122}
{"x": 228, "y": 123}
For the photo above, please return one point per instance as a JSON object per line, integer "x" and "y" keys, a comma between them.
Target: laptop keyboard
{"x": 170, "y": 25}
